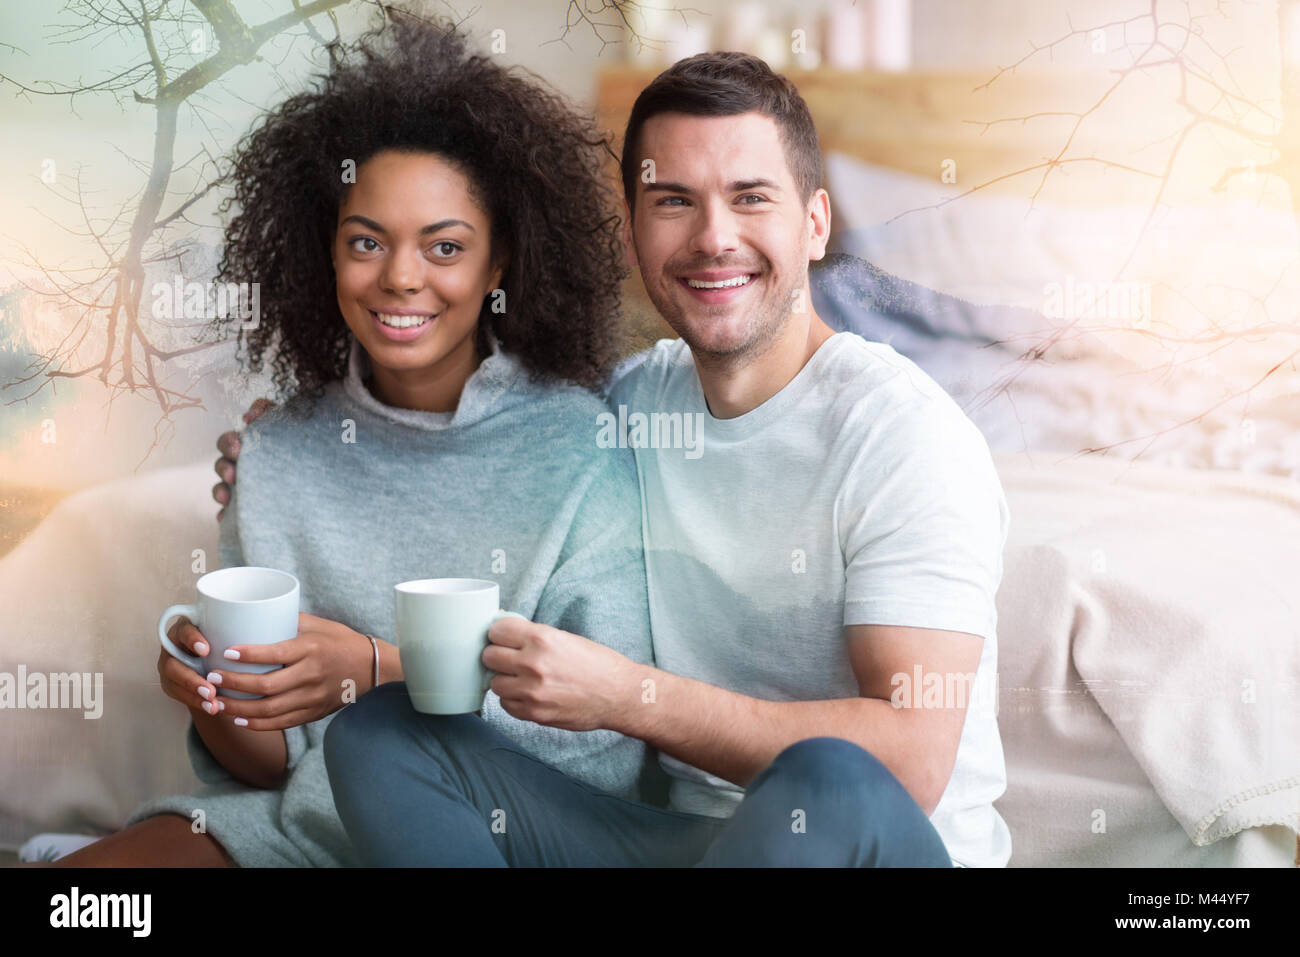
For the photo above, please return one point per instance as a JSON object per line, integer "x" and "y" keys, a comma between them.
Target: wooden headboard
{"x": 915, "y": 121}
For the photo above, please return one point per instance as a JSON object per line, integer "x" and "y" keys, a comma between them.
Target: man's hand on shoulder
{"x": 626, "y": 365}
{"x": 228, "y": 446}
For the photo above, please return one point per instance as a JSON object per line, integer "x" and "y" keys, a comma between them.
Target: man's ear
{"x": 819, "y": 224}
{"x": 629, "y": 248}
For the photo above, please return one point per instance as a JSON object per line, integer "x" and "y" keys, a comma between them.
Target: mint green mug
{"x": 442, "y": 626}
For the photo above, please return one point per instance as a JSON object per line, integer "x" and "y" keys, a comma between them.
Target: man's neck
{"x": 733, "y": 389}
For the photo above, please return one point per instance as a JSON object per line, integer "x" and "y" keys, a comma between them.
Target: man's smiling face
{"x": 722, "y": 236}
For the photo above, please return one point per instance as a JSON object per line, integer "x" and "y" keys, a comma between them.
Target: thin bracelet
{"x": 375, "y": 645}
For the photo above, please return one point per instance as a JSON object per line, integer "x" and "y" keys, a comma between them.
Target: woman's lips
{"x": 401, "y": 335}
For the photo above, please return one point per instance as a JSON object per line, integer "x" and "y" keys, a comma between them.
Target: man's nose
{"x": 715, "y": 232}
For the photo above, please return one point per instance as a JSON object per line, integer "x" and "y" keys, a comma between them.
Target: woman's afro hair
{"x": 534, "y": 163}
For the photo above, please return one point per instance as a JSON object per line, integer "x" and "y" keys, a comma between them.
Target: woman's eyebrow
{"x": 444, "y": 224}
{"x": 431, "y": 228}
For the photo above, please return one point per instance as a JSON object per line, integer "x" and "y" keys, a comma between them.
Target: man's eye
{"x": 671, "y": 199}
{"x": 754, "y": 196}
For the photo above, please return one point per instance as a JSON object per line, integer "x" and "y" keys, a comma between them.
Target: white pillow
{"x": 1196, "y": 262}
{"x": 82, "y": 593}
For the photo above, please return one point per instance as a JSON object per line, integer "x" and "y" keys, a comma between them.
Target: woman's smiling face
{"x": 413, "y": 262}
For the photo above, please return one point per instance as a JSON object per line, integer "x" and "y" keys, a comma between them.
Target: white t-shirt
{"x": 858, "y": 494}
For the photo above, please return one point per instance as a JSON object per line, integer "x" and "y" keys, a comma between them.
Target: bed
{"x": 1149, "y": 613}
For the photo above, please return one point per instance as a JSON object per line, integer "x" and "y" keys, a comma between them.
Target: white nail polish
{"x": 204, "y": 692}
{"x": 200, "y": 648}
{"x": 214, "y": 678}
{"x": 232, "y": 654}
{"x": 242, "y": 722}
{"x": 209, "y": 707}
{"x": 221, "y": 705}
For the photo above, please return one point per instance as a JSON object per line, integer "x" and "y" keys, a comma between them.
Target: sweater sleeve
{"x": 206, "y": 767}
{"x": 598, "y": 588}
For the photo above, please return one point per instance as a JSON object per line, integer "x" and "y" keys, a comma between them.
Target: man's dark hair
{"x": 727, "y": 84}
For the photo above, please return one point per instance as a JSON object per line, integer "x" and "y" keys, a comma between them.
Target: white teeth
{"x": 724, "y": 284}
{"x": 402, "y": 322}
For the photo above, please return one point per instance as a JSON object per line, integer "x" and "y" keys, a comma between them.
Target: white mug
{"x": 442, "y": 626}
{"x": 245, "y": 605}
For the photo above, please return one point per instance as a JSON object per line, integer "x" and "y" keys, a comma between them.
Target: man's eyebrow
{"x": 667, "y": 187}
{"x": 739, "y": 186}
{"x": 425, "y": 230}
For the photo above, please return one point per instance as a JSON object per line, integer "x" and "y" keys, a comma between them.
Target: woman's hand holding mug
{"x": 179, "y": 680}
{"x": 325, "y": 667}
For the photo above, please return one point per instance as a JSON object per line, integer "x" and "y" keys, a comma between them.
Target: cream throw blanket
{"x": 1177, "y": 593}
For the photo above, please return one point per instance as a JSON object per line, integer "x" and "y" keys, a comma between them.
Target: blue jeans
{"x": 415, "y": 790}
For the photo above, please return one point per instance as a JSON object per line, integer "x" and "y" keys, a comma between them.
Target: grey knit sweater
{"x": 354, "y": 496}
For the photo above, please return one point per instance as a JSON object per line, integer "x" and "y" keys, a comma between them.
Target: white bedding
{"x": 82, "y": 593}
{"x": 124, "y": 551}
{"x": 1108, "y": 386}
{"x": 1149, "y": 667}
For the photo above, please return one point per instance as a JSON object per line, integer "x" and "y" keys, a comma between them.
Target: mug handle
{"x": 487, "y": 680}
{"x": 189, "y": 611}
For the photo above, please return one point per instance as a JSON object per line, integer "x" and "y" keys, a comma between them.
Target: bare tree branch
{"x": 624, "y": 13}
{"x": 108, "y": 296}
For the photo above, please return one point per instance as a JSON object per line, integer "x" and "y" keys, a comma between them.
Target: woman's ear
{"x": 498, "y": 273}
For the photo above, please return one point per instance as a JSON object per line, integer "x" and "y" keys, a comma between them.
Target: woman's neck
{"x": 434, "y": 389}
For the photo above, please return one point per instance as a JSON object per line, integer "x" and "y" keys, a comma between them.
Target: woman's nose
{"x": 402, "y": 272}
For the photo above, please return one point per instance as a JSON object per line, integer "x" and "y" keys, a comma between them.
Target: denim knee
{"x": 356, "y": 728}
{"x": 385, "y": 718}
{"x": 857, "y": 808}
{"x": 826, "y": 761}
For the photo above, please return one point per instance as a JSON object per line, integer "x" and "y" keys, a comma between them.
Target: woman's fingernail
{"x": 242, "y": 722}
{"x": 221, "y": 705}
{"x": 204, "y": 692}
{"x": 214, "y": 678}
{"x": 209, "y": 707}
{"x": 232, "y": 654}
{"x": 201, "y": 647}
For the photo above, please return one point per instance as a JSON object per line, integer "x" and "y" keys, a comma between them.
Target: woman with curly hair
{"x": 439, "y": 278}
